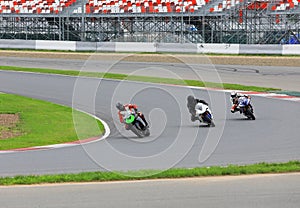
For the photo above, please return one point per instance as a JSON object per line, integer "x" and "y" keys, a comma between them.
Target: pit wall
{"x": 150, "y": 47}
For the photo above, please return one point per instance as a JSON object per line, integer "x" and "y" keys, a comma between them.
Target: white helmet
{"x": 233, "y": 94}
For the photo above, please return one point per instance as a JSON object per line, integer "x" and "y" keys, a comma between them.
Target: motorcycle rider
{"x": 196, "y": 107}
{"x": 129, "y": 107}
{"x": 239, "y": 101}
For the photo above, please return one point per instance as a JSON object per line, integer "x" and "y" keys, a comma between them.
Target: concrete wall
{"x": 135, "y": 47}
{"x": 106, "y": 46}
{"x": 260, "y": 49}
{"x": 151, "y": 47}
{"x": 55, "y": 45}
{"x": 218, "y": 48}
{"x": 18, "y": 44}
{"x": 86, "y": 46}
{"x": 176, "y": 47}
{"x": 291, "y": 50}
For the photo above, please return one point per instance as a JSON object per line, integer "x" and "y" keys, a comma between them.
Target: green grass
{"x": 142, "y": 79}
{"x": 43, "y": 123}
{"x": 260, "y": 168}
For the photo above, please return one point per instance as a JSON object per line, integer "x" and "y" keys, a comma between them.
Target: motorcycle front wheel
{"x": 136, "y": 131}
{"x": 207, "y": 119}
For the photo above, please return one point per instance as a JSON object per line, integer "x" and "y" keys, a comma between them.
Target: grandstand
{"x": 175, "y": 21}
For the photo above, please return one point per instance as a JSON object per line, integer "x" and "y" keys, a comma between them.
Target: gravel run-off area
{"x": 173, "y": 58}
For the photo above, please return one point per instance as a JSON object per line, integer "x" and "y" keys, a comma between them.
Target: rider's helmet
{"x": 234, "y": 94}
{"x": 120, "y": 106}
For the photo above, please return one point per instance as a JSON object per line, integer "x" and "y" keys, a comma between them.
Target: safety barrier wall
{"x": 93, "y": 46}
{"x": 176, "y": 48}
{"x": 218, "y": 48}
{"x": 55, "y": 45}
{"x": 260, "y": 49}
{"x": 135, "y": 47}
{"x": 18, "y": 44}
{"x": 291, "y": 50}
{"x": 151, "y": 47}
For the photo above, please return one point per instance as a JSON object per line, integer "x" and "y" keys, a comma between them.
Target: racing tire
{"x": 209, "y": 121}
{"x": 212, "y": 124}
{"x": 250, "y": 115}
{"x": 147, "y": 132}
{"x": 136, "y": 131}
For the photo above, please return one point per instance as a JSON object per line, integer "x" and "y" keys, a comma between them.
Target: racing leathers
{"x": 191, "y": 104}
{"x": 239, "y": 102}
{"x": 200, "y": 108}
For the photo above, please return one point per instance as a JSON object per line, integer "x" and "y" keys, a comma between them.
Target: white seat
{"x": 117, "y": 9}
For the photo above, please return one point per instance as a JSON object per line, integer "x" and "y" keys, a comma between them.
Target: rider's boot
{"x": 234, "y": 108}
{"x": 127, "y": 127}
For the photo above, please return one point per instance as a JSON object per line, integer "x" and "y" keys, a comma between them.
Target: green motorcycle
{"x": 136, "y": 124}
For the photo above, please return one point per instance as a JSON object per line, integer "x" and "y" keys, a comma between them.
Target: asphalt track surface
{"x": 286, "y": 78}
{"x": 174, "y": 142}
{"x": 261, "y": 191}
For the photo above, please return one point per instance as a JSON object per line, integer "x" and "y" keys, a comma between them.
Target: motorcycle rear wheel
{"x": 250, "y": 115}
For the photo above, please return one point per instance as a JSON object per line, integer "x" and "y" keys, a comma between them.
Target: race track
{"x": 286, "y": 78}
{"x": 174, "y": 142}
{"x": 259, "y": 191}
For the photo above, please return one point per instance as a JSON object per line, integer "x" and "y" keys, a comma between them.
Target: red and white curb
{"x": 260, "y": 94}
{"x": 276, "y": 96}
{"x": 69, "y": 144}
{"x": 273, "y": 95}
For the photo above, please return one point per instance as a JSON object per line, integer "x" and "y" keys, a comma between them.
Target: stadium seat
{"x": 281, "y": 5}
{"x": 144, "y": 6}
{"x": 34, "y": 6}
{"x": 224, "y": 5}
{"x": 258, "y": 5}
{"x": 284, "y": 5}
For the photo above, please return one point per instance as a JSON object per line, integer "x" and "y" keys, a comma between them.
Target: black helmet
{"x": 120, "y": 106}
